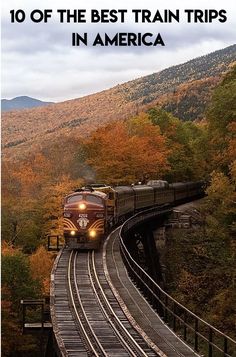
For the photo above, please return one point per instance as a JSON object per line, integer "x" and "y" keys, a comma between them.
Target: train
{"x": 90, "y": 212}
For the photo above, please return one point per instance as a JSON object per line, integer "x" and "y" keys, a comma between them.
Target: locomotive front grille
{"x": 82, "y": 239}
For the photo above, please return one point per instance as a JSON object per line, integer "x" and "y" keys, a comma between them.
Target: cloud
{"x": 38, "y": 59}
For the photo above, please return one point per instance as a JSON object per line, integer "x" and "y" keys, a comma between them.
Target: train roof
{"x": 97, "y": 185}
{"x": 90, "y": 192}
{"x": 178, "y": 184}
{"x": 123, "y": 188}
{"x": 142, "y": 187}
{"x": 158, "y": 183}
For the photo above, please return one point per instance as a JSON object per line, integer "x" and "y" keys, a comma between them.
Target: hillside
{"x": 21, "y": 102}
{"x": 184, "y": 89}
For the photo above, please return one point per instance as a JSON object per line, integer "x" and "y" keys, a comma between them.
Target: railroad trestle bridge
{"x": 104, "y": 303}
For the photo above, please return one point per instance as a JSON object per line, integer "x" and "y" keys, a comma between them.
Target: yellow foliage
{"x": 41, "y": 265}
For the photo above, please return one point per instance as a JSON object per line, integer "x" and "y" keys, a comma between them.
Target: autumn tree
{"x": 40, "y": 266}
{"x": 32, "y": 196}
{"x": 187, "y": 142}
{"x": 204, "y": 270}
{"x": 17, "y": 284}
{"x": 22, "y": 217}
{"x": 221, "y": 117}
{"x": 51, "y": 202}
{"x": 221, "y": 202}
{"x": 16, "y": 278}
{"x": 124, "y": 152}
{"x": 204, "y": 259}
{"x": 10, "y": 204}
{"x": 61, "y": 153}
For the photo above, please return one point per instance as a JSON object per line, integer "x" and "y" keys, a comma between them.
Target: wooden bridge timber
{"x": 97, "y": 308}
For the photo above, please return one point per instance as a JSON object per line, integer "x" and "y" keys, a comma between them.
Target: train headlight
{"x": 92, "y": 233}
{"x": 72, "y": 233}
{"x": 82, "y": 206}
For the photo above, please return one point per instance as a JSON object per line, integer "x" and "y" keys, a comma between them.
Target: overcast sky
{"x": 39, "y": 61}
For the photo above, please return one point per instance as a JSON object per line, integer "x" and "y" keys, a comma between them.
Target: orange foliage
{"x": 8, "y": 249}
{"x": 32, "y": 174}
{"x": 41, "y": 265}
{"x": 121, "y": 155}
{"x": 52, "y": 202}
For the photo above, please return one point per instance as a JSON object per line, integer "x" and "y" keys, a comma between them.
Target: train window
{"x": 75, "y": 198}
{"x": 94, "y": 199}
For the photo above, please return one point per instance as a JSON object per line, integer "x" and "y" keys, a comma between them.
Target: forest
{"x": 184, "y": 90}
{"x": 152, "y": 144}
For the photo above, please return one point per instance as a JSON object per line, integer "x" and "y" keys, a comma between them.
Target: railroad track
{"x": 89, "y": 319}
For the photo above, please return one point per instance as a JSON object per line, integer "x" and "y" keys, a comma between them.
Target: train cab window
{"x": 94, "y": 199}
{"x": 75, "y": 198}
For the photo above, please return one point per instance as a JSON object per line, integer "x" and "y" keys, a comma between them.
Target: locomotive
{"x": 85, "y": 217}
{"x": 91, "y": 211}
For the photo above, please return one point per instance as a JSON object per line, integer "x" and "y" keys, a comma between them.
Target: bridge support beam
{"x": 151, "y": 254}
{"x": 141, "y": 245}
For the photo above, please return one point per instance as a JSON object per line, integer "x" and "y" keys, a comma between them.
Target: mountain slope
{"x": 22, "y": 102}
{"x": 188, "y": 85}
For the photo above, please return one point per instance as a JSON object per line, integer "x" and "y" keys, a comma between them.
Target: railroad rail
{"x": 90, "y": 318}
{"x": 87, "y": 318}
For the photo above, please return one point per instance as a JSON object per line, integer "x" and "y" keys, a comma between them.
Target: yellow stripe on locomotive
{"x": 85, "y": 217}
